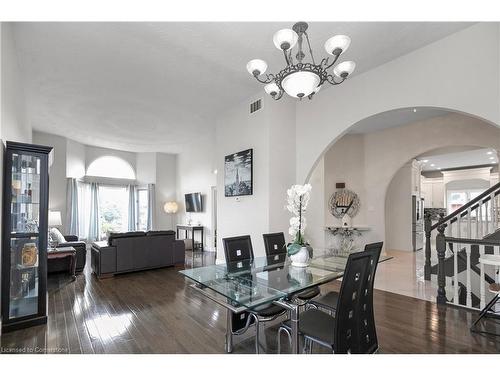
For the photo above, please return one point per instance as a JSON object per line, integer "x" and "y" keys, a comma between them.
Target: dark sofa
{"x": 62, "y": 265}
{"x": 135, "y": 251}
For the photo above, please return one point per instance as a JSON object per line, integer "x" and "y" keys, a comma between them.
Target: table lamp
{"x": 55, "y": 219}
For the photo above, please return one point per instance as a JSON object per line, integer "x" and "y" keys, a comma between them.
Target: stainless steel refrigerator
{"x": 417, "y": 222}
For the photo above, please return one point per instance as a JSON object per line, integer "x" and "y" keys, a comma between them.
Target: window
{"x": 142, "y": 209}
{"x": 458, "y": 198}
{"x": 111, "y": 167}
{"x": 113, "y": 209}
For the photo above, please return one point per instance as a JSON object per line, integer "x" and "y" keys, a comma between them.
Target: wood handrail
{"x": 473, "y": 204}
{"x": 472, "y": 241}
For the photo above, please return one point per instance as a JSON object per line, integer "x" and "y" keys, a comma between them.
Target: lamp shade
{"x": 272, "y": 88}
{"x": 171, "y": 207}
{"x": 337, "y": 42}
{"x": 300, "y": 84}
{"x": 256, "y": 65}
{"x": 285, "y": 39}
{"x": 344, "y": 69}
{"x": 55, "y": 218}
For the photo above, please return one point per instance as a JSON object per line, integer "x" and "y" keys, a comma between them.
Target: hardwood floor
{"x": 156, "y": 312}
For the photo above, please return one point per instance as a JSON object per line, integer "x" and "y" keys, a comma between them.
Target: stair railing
{"x": 474, "y": 220}
{"x": 456, "y": 244}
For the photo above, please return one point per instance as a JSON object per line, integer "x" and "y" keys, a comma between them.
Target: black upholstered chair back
{"x": 351, "y": 317}
{"x": 275, "y": 243}
{"x": 238, "y": 248}
{"x": 368, "y": 330}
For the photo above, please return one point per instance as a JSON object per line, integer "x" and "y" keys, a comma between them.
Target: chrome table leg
{"x": 294, "y": 322}
{"x": 229, "y": 332}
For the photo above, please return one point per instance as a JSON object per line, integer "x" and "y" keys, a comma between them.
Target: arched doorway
{"x": 367, "y": 160}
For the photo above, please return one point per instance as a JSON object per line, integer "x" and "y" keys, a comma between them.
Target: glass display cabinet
{"x": 24, "y": 242}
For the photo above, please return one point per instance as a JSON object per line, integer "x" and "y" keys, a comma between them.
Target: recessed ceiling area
{"x": 157, "y": 86}
{"x": 458, "y": 159}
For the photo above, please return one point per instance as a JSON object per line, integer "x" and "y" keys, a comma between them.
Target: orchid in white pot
{"x": 297, "y": 201}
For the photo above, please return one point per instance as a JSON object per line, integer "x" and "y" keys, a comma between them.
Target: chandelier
{"x": 299, "y": 79}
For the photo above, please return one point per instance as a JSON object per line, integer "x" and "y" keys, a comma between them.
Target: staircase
{"x": 462, "y": 238}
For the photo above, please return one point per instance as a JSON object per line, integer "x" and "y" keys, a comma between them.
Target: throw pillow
{"x": 56, "y": 236}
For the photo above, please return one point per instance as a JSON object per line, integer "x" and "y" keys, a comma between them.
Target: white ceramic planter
{"x": 301, "y": 258}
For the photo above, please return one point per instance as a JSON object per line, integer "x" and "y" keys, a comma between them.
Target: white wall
{"x": 315, "y": 215}
{"x": 165, "y": 189}
{"x": 146, "y": 168}
{"x": 398, "y": 211}
{"x": 282, "y": 144}
{"x": 195, "y": 173}
{"x": 273, "y": 169}
{"x": 75, "y": 159}
{"x": 437, "y": 75}
{"x": 57, "y": 173}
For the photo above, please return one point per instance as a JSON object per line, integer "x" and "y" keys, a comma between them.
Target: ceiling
{"x": 458, "y": 159}
{"x": 157, "y": 86}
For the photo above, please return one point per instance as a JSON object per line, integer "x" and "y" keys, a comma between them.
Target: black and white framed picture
{"x": 238, "y": 174}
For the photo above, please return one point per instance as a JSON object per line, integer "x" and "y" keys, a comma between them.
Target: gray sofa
{"x": 136, "y": 251}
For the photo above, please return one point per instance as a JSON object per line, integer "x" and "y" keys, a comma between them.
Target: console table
{"x": 192, "y": 229}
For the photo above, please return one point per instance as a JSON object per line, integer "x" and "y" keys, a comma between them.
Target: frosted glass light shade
{"x": 344, "y": 69}
{"x": 300, "y": 84}
{"x": 170, "y": 207}
{"x": 256, "y": 65}
{"x": 285, "y": 39}
{"x": 271, "y": 88}
{"x": 341, "y": 42}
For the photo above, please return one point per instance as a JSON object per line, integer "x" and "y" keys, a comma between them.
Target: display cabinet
{"x": 24, "y": 242}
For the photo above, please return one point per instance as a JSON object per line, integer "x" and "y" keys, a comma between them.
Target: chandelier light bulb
{"x": 256, "y": 67}
{"x": 285, "y": 39}
{"x": 300, "y": 84}
{"x": 344, "y": 69}
{"x": 272, "y": 88}
{"x": 337, "y": 44}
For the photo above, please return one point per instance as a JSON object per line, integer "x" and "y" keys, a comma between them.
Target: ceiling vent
{"x": 255, "y": 106}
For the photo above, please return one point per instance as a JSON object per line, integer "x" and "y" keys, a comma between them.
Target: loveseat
{"x": 136, "y": 251}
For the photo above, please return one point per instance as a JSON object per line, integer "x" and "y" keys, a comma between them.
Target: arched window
{"x": 111, "y": 167}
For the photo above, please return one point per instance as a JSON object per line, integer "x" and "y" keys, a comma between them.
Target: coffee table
{"x": 64, "y": 252}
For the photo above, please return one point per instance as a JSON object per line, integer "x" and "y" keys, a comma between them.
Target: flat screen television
{"x": 193, "y": 202}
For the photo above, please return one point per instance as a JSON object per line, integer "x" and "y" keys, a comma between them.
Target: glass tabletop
{"x": 266, "y": 279}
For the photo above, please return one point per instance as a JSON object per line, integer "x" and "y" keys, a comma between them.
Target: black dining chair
{"x": 329, "y": 300}
{"x": 239, "y": 249}
{"x": 275, "y": 244}
{"x": 352, "y": 329}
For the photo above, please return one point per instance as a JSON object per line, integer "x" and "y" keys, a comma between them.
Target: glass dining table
{"x": 245, "y": 285}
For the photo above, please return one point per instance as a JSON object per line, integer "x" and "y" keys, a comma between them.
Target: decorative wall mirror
{"x": 344, "y": 202}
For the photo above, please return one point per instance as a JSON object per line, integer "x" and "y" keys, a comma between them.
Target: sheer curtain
{"x": 151, "y": 206}
{"x": 94, "y": 226}
{"x": 132, "y": 204}
{"x": 72, "y": 207}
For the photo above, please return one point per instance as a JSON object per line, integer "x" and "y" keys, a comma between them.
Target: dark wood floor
{"x": 156, "y": 312}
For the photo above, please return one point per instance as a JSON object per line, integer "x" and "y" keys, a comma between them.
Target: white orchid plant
{"x": 297, "y": 200}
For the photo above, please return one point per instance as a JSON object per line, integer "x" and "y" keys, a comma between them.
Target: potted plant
{"x": 297, "y": 201}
